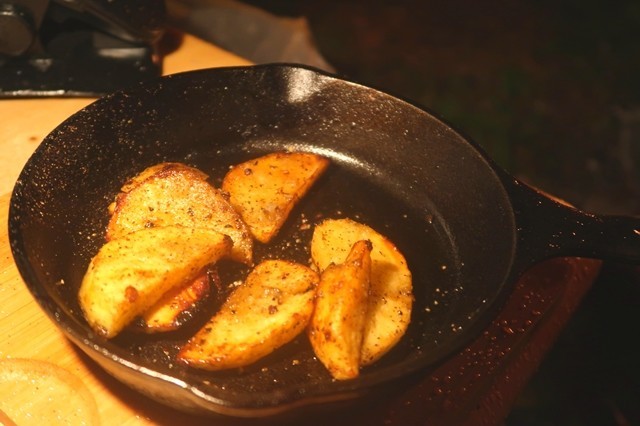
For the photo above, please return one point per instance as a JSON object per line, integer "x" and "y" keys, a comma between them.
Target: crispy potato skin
{"x": 337, "y": 326}
{"x": 176, "y": 194}
{"x": 169, "y": 226}
{"x": 159, "y": 196}
{"x": 130, "y": 274}
{"x": 391, "y": 294}
{"x": 269, "y": 309}
{"x": 265, "y": 190}
{"x": 167, "y": 314}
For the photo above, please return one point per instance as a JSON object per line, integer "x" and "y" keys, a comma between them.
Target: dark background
{"x": 551, "y": 89}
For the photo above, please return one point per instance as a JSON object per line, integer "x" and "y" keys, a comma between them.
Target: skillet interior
{"x": 394, "y": 167}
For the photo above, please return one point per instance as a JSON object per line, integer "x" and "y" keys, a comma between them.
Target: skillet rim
{"x": 74, "y": 330}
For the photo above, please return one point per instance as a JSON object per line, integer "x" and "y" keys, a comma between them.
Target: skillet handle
{"x": 547, "y": 228}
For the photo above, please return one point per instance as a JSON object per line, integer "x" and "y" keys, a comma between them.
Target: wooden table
{"x": 475, "y": 387}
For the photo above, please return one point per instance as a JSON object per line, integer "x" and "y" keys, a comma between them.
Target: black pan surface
{"x": 466, "y": 228}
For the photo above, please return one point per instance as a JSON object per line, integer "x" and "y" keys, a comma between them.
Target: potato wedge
{"x": 269, "y": 309}
{"x": 130, "y": 274}
{"x": 337, "y": 325}
{"x": 135, "y": 207}
{"x": 176, "y": 194}
{"x": 391, "y": 296}
{"x": 265, "y": 190}
{"x": 176, "y": 306}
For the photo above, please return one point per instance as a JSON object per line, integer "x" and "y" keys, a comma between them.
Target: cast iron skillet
{"x": 467, "y": 228}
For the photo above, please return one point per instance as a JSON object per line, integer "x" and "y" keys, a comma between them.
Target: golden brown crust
{"x": 391, "y": 298}
{"x": 264, "y": 190}
{"x": 130, "y": 274}
{"x": 336, "y": 329}
{"x": 177, "y": 194}
{"x": 269, "y": 309}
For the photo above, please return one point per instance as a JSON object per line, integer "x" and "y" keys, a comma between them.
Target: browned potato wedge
{"x": 391, "y": 297}
{"x": 337, "y": 324}
{"x": 175, "y": 306}
{"x": 130, "y": 274}
{"x": 176, "y": 194}
{"x": 269, "y": 309}
{"x": 265, "y": 190}
{"x": 149, "y": 172}
{"x": 135, "y": 207}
